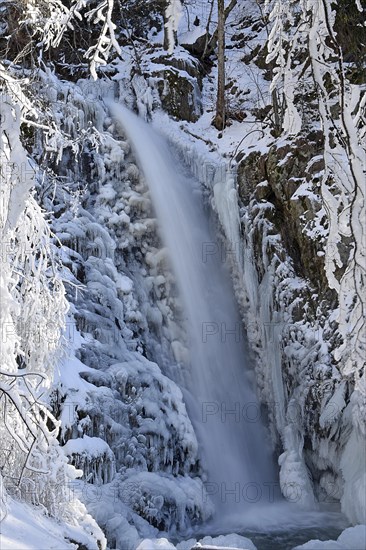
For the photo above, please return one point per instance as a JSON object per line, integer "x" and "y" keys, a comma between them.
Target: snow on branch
{"x": 286, "y": 40}
{"x": 60, "y": 17}
{"x": 99, "y": 53}
{"x": 32, "y": 318}
{"x": 14, "y": 89}
{"x": 344, "y": 183}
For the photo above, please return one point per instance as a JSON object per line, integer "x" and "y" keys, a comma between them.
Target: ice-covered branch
{"x": 99, "y": 53}
{"x": 60, "y": 17}
{"x": 32, "y": 315}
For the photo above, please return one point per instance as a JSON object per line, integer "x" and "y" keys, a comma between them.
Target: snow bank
{"x": 92, "y": 446}
{"x": 353, "y": 538}
{"x": 28, "y": 528}
{"x": 155, "y": 544}
{"x": 221, "y": 542}
{"x": 190, "y": 37}
{"x": 227, "y": 541}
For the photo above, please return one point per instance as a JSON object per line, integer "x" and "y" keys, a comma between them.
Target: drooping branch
{"x": 99, "y": 53}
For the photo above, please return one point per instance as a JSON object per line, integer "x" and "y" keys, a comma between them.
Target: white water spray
{"x": 223, "y": 407}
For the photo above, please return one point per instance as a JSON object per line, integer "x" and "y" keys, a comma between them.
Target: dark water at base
{"x": 284, "y": 540}
{"x": 290, "y": 539}
{"x": 284, "y": 531}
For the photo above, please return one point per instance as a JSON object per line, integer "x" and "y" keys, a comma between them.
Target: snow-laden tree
{"x": 303, "y": 42}
{"x": 285, "y": 38}
{"x": 344, "y": 194}
{"x": 50, "y": 20}
{"x": 343, "y": 188}
{"x": 32, "y": 319}
{"x": 172, "y": 16}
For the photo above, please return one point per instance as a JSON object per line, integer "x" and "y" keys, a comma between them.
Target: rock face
{"x": 289, "y": 178}
{"x": 195, "y": 41}
{"x": 290, "y": 313}
{"x": 179, "y": 96}
{"x": 179, "y": 83}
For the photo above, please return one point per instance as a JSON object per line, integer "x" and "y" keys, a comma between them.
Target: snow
{"x": 155, "y": 544}
{"x": 164, "y": 499}
{"x": 28, "y": 528}
{"x": 94, "y": 447}
{"x": 226, "y": 541}
{"x": 353, "y": 538}
{"x": 124, "y": 284}
{"x": 335, "y": 405}
{"x": 222, "y": 542}
{"x": 352, "y": 461}
{"x": 192, "y": 36}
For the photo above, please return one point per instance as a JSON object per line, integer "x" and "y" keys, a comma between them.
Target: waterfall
{"x": 220, "y": 397}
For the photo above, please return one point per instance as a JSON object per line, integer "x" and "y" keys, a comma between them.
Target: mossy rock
{"x": 274, "y": 178}
{"x": 180, "y": 96}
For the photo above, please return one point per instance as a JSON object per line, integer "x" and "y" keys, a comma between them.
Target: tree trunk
{"x": 166, "y": 38}
{"x": 213, "y": 40}
{"x": 219, "y": 120}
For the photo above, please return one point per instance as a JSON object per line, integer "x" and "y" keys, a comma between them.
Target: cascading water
{"x": 241, "y": 476}
{"x": 223, "y": 407}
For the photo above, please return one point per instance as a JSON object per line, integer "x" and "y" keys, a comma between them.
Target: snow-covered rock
{"x": 353, "y": 538}
{"x": 221, "y": 542}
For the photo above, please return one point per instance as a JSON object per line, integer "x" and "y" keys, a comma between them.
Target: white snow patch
{"x": 155, "y": 544}
{"x": 28, "y": 528}
{"x": 353, "y": 538}
{"x": 192, "y": 36}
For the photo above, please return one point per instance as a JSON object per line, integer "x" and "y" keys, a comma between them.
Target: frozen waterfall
{"x": 220, "y": 399}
